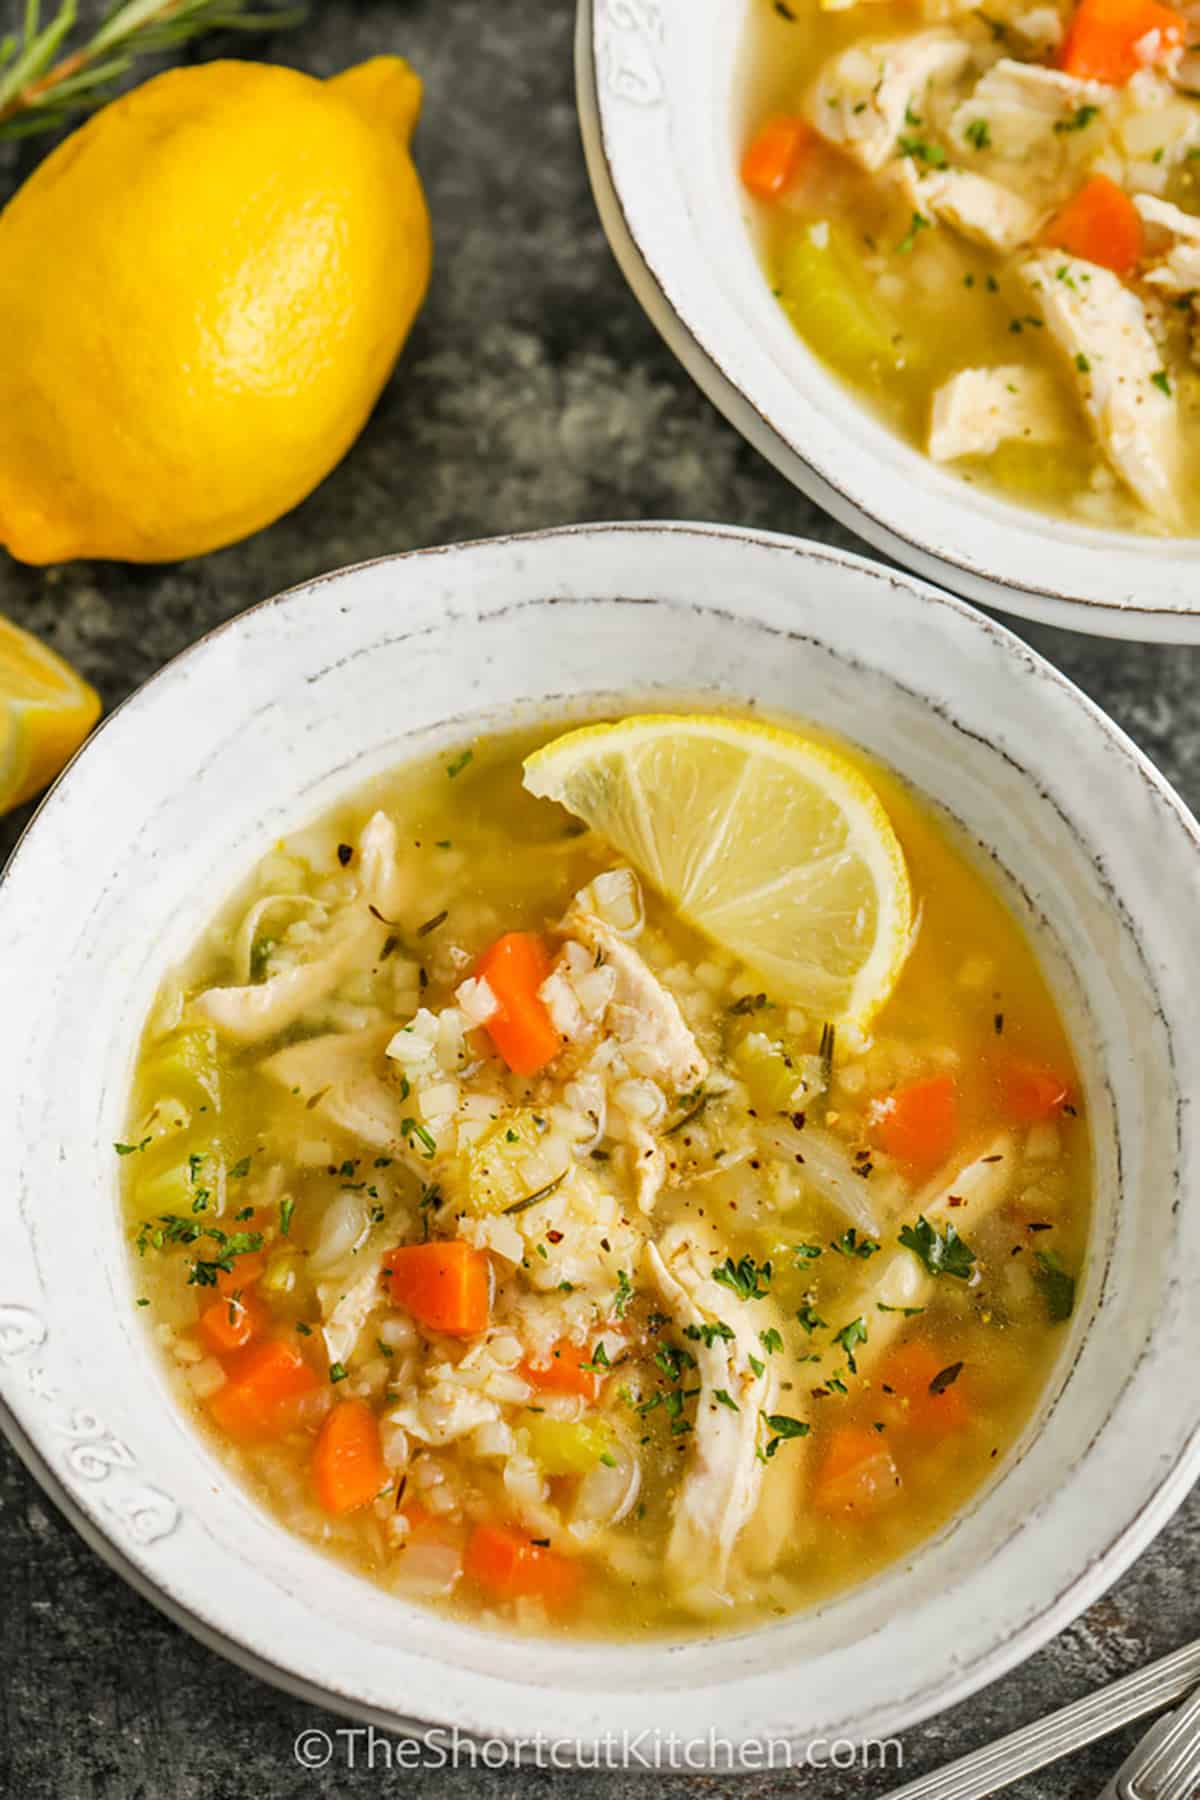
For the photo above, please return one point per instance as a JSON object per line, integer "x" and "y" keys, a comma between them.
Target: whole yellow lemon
{"x": 202, "y": 292}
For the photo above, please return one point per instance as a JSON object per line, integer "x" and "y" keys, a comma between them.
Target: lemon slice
{"x": 774, "y": 846}
{"x": 46, "y": 711}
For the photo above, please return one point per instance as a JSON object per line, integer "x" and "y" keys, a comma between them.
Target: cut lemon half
{"x": 46, "y": 711}
{"x": 771, "y": 844}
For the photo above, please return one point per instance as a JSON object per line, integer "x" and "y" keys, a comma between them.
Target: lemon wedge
{"x": 46, "y": 711}
{"x": 773, "y": 845}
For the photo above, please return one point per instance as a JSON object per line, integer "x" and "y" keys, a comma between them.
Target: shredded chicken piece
{"x": 1172, "y": 261}
{"x": 641, "y": 1015}
{"x": 340, "y": 1075}
{"x": 984, "y": 211}
{"x": 251, "y": 1014}
{"x": 721, "y": 1487}
{"x": 347, "y": 1309}
{"x": 863, "y": 94}
{"x": 979, "y": 409}
{"x": 1100, "y": 326}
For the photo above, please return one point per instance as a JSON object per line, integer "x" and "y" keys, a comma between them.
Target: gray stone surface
{"x": 532, "y": 392}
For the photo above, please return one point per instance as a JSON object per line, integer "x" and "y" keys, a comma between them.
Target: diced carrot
{"x": 508, "y": 1564}
{"x": 562, "y": 1372}
{"x": 522, "y": 1029}
{"x": 856, "y": 1474}
{"x": 245, "y": 1272}
{"x": 909, "y": 1372}
{"x": 233, "y": 1323}
{"x": 1100, "y": 223}
{"x": 918, "y": 1124}
{"x": 1029, "y": 1092}
{"x": 348, "y": 1466}
{"x": 445, "y": 1285}
{"x": 265, "y": 1382}
{"x": 772, "y": 155}
{"x": 1110, "y": 40}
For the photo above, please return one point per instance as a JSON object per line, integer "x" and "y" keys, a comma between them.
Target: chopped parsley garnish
{"x": 806, "y": 1252}
{"x": 942, "y": 1254}
{"x": 782, "y": 1427}
{"x": 672, "y": 1360}
{"x": 1162, "y": 381}
{"x": 1080, "y": 119}
{"x": 919, "y": 223}
{"x": 412, "y": 1128}
{"x": 760, "y": 1368}
{"x": 978, "y": 134}
{"x": 1082, "y": 363}
{"x": 460, "y": 763}
{"x": 849, "y": 1337}
{"x": 384, "y": 1349}
{"x": 809, "y": 1319}
{"x": 932, "y": 155}
{"x": 599, "y": 1358}
{"x": 130, "y": 1149}
{"x": 338, "y": 1372}
{"x": 724, "y": 1398}
{"x": 747, "y": 1280}
{"x": 1056, "y": 1285}
{"x": 709, "y": 1333}
{"x": 286, "y": 1208}
{"x": 240, "y": 1169}
{"x": 770, "y": 1340}
{"x": 850, "y": 1244}
{"x": 623, "y": 1295}
{"x": 908, "y": 1312}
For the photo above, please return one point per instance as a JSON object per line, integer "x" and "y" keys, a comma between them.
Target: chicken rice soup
{"x": 517, "y": 1243}
{"x": 984, "y": 218}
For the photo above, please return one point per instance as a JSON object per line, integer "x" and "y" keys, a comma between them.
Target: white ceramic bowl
{"x": 660, "y": 108}
{"x": 275, "y": 715}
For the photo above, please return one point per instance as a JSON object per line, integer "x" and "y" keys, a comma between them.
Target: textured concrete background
{"x": 532, "y": 392}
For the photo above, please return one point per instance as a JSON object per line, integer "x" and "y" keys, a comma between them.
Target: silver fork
{"x": 1165, "y": 1765}
{"x": 985, "y": 1772}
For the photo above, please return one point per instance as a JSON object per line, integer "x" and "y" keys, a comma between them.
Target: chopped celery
{"x": 185, "y": 1064}
{"x": 187, "y": 1186}
{"x": 778, "y": 1078}
{"x": 494, "y": 1165}
{"x": 285, "y": 1279}
{"x": 567, "y": 1447}
{"x": 826, "y": 290}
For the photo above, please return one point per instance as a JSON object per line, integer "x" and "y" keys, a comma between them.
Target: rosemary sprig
{"x": 40, "y": 90}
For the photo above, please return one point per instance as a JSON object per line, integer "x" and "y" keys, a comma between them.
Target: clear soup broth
{"x": 439, "y": 1316}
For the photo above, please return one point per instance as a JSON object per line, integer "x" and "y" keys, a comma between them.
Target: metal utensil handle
{"x": 1170, "y": 1768}
{"x": 985, "y": 1771}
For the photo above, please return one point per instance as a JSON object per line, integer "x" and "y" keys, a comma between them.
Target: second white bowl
{"x": 657, "y": 84}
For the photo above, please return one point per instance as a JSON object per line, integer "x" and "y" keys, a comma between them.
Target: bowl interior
{"x": 663, "y": 104}
{"x": 262, "y": 726}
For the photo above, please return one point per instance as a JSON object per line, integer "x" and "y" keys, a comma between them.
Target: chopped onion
{"x": 827, "y": 1166}
{"x": 426, "y": 1570}
{"x": 476, "y": 1000}
{"x": 616, "y": 897}
{"x": 607, "y": 1493}
{"x": 343, "y": 1230}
